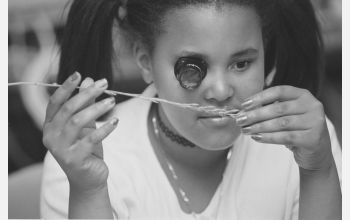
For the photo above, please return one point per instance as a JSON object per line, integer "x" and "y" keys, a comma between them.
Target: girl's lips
{"x": 216, "y": 121}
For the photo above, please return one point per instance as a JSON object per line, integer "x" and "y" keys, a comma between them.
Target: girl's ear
{"x": 143, "y": 60}
{"x": 269, "y": 78}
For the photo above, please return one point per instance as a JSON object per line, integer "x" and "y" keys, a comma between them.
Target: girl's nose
{"x": 219, "y": 90}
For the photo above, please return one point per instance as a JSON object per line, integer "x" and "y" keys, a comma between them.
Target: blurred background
{"x": 34, "y": 31}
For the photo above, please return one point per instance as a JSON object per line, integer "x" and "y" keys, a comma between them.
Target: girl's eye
{"x": 190, "y": 72}
{"x": 241, "y": 65}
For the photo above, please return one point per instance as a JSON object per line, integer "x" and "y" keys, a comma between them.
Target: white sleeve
{"x": 337, "y": 154}
{"x": 295, "y": 209}
{"x": 336, "y": 149}
{"x": 54, "y": 196}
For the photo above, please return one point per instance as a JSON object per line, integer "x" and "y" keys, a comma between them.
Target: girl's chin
{"x": 218, "y": 142}
{"x": 216, "y": 148}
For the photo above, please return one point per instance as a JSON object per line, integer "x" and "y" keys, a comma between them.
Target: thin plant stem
{"x": 193, "y": 106}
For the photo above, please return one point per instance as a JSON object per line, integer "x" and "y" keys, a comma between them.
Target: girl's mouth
{"x": 215, "y": 120}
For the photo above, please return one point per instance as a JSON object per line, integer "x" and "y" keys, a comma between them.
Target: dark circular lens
{"x": 190, "y": 72}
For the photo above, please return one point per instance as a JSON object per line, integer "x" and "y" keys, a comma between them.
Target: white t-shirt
{"x": 261, "y": 181}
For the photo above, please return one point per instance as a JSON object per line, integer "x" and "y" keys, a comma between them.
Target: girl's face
{"x": 229, "y": 41}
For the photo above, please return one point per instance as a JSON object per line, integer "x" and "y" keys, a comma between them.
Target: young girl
{"x": 277, "y": 159}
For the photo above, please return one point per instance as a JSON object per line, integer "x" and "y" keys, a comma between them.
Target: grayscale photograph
{"x": 175, "y": 109}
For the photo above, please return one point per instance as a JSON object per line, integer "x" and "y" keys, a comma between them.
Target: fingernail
{"x": 74, "y": 77}
{"x": 109, "y": 101}
{"x": 101, "y": 83}
{"x": 256, "y": 137}
{"x": 87, "y": 82}
{"x": 114, "y": 121}
{"x": 247, "y": 104}
{"x": 246, "y": 130}
{"x": 233, "y": 111}
{"x": 241, "y": 119}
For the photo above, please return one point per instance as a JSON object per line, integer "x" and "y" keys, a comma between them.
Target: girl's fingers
{"x": 61, "y": 95}
{"x": 288, "y": 138}
{"x": 81, "y": 120}
{"x": 286, "y": 123}
{"x": 77, "y": 102}
{"x": 275, "y": 110}
{"x": 90, "y": 126}
{"x": 87, "y": 82}
{"x": 97, "y": 136}
{"x": 273, "y": 94}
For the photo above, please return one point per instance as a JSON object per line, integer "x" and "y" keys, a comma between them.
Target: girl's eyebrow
{"x": 245, "y": 52}
{"x": 193, "y": 54}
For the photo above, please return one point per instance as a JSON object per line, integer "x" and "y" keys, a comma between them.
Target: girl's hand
{"x": 289, "y": 116}
{"x": 71, "y": 136}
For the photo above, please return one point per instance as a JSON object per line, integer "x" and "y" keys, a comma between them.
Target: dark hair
{"x": 86, "y": 46}
{"x": 298, "y": 46}
{"x": 291, "y": 34}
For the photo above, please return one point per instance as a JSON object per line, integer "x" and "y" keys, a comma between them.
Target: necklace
{"x": 175, "y": 178}
{"x": 171, "y": 135}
